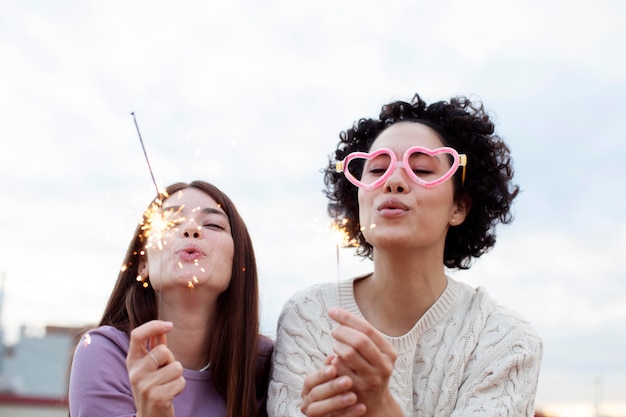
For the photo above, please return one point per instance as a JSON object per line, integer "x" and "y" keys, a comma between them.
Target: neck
{"x": 192, "y": 320}
{"x": 401, "y": 289}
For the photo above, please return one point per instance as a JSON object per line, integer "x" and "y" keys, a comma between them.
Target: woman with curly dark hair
{"x": 417, "y": 190}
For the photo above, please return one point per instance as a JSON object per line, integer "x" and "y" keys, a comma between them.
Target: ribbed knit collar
{"x": 440, "y": 308}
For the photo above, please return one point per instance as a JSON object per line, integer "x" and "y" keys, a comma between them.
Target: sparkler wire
{"x": 339, "y": 289}
{"x": 159, "y": 202}
{"x": 339, "y": 233}
{"x": 145, "y": 154}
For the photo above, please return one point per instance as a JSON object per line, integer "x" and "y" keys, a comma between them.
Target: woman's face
{"x": 194, "y": 247}
{"x": 400, "y": 213}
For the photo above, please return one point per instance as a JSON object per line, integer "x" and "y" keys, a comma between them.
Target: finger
{"x": 360, "y": 334}
{"x": 352, "y": 321}
{"x": 344, "y": 368}
{"x": 337, "y": 406}
{"x": 317, "y": 378}
{"x": 160, "y": 356}
{"x": 328, "y": 397}
{"x": 158, "y": 388}
{"x": 154, "y": 359}
{"x": 356, "y": 348}
{"x": 146, "y": 335}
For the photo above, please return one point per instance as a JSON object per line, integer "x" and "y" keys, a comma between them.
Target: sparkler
{"x": 342, "y": 240}
{"x": 145, "y": 154}
{"x": 156, "y": 223}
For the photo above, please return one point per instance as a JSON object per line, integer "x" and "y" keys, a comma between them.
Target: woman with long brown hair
{"x": 180, "y": 332}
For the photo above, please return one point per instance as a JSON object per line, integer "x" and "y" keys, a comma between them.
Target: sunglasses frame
{"x": 457, "y": 160}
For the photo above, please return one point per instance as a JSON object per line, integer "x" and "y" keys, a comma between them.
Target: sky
{"x": 251, "y": 96}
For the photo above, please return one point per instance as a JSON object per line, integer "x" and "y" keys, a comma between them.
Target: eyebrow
{"x": 206, "y": 210}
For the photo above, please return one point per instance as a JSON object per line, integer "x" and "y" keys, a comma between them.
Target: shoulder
{"x": 315, "y": 292}
{"x": 308, "y": 305}
{"x": 304, "y": 323}
{"x": 101, "y": 345}
{"x": 103, "y": 339}
{"x": 496, "y": 323}
{"x": 265, "y": 346}
{"x": 99, "y": 356}
{"x": 98, "y": 376}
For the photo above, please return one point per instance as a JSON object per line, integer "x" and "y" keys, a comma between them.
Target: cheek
{"x": 154, "y": 261}
{"x": 225, "y": 255}
{"x": 365, "y": 202}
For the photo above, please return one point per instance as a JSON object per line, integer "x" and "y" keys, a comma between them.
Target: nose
{"x": 191, "y": 229}
{"x": 397, "y": 182}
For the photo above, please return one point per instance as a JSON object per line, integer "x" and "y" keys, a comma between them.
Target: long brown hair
{"x": 233, "y": 348}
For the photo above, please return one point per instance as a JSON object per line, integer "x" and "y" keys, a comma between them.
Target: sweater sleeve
{"x": 502, "y": 374}
{"x": 99, "y": 384}
{"x": 303, "y": 341}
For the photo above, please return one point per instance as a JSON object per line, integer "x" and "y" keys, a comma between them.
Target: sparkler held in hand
{"x": 156, "y": 224}
{"x": 145, "y": 153}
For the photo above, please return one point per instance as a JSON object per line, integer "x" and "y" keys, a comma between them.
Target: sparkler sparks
{"x": 342, "y": 239}
{"x": 154, "y": 224}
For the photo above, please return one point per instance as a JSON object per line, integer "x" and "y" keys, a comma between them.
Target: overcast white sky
{"x": 252, "y": 96}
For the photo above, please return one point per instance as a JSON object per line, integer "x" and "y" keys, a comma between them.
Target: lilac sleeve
{"x": 99, "y": 385}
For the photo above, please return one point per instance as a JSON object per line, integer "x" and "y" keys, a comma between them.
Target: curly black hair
{"x": 461, "y": 124}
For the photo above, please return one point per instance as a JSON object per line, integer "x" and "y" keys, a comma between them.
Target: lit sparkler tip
{"x": 341, "y": 235}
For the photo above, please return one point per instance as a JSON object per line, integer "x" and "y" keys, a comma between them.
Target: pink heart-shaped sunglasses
{"x": 424, "y": 166}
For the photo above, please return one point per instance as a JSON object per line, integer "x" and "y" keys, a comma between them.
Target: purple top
{"x": 99, "y": 384}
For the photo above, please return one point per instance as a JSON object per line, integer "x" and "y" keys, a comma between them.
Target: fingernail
{"x": 332, "y": 312}
{"x": 348, "y": 398}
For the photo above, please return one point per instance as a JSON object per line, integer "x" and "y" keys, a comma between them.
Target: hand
{"x": 155, "y": 376}
{"x": 326, "y": 394}
{"x": 367, "y": 358}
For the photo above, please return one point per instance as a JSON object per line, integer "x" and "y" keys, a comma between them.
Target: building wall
{"x": 17, "y": 406}
{"x": 38, "y": 365}
{"x": 9, "y": 410}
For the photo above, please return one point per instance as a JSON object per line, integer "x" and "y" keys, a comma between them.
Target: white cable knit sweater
{"x": 467, "y": 356}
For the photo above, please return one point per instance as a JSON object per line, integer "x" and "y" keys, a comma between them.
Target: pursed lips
{"x": 190, "y": 253}
{"x": 392, "y": 207}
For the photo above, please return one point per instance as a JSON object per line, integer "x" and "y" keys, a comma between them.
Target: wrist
{"x": 387, "y": 407}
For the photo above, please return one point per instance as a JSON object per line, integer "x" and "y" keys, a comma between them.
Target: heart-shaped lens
{"x": 424, "y": 166}
{"x": 368, "y": 169}
{"x": 430, "y": 167}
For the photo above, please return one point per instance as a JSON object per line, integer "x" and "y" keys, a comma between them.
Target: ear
{"x": 142, "y": 268}
{"x": 461, "y": 208}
